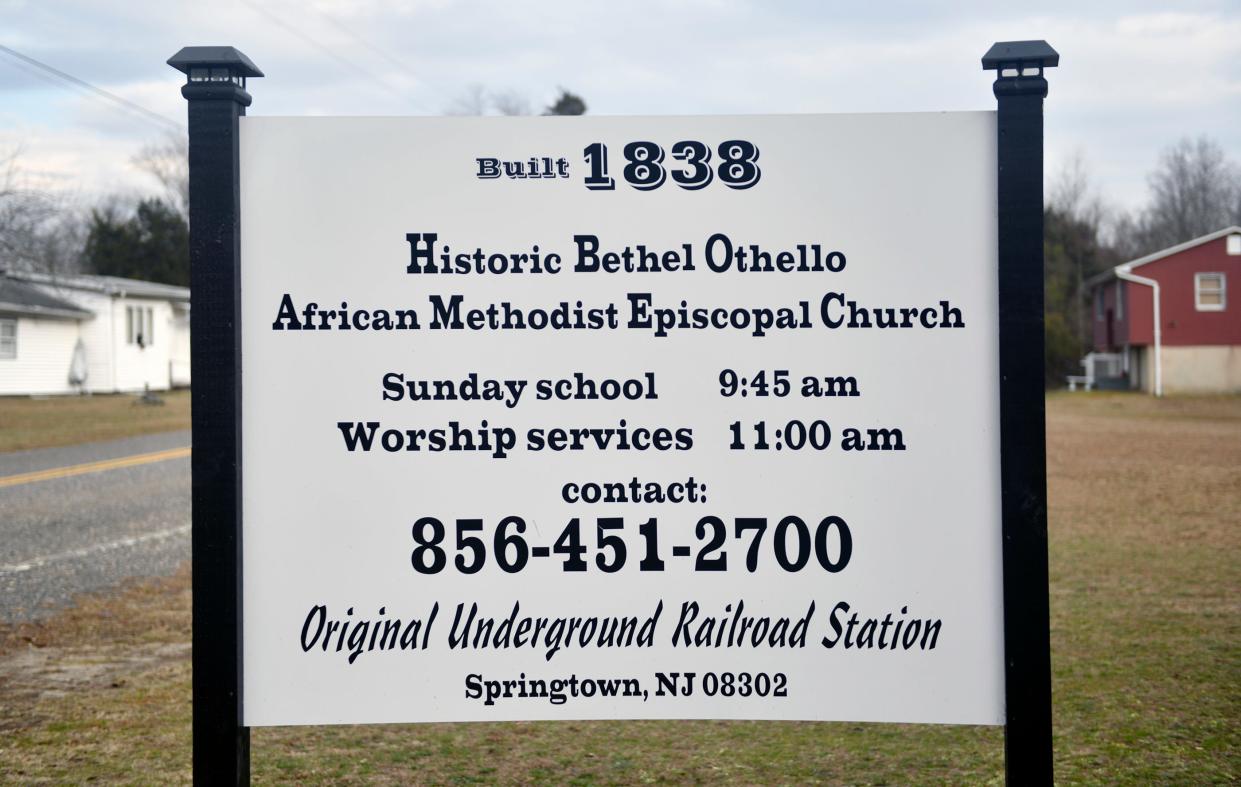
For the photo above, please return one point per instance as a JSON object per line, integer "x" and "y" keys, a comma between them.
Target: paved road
{"x": 82, "y": 518}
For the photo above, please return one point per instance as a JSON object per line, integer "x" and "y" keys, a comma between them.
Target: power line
{"x": 36, "y": 73}
{"x": 96, "y": 91}
{"x": 396, "y": 61}
{"x": 331, "y": 52}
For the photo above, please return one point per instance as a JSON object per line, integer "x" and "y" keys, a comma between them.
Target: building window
{"x": 8, "y": 339}
{"x": 1120, "y": 300}
{"x": 139, "y": 325}
{"x": 1209, "y": 292}
{"x": 1098, "y": 304}
{"x": 1234, "y": 245}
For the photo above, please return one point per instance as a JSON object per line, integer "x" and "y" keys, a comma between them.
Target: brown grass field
{"x": 1145, "y": 500}
{"x": 65, "y": 420}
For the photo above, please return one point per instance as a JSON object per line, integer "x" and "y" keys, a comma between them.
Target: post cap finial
{"x": 219, "y": 56}
{"x": 1020, "y": 55}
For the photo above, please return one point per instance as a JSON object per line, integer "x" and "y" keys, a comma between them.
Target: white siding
{"x": 137, "y": 367}
{"x": 97, "y": 335}
{"x": 44, "y": 355}
{"x": 114, "y": 365}
{"x": 180, "y": 346}
{"x": 97, "y": 338}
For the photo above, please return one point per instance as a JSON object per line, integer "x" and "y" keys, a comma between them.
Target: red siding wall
{"x": 1183, "y": 324}
{"x": 1142, "y": 300}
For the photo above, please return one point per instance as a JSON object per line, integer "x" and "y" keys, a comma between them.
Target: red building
{"x": 1166, "y": 321}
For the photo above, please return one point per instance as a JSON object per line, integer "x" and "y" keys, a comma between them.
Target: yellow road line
{"x": 93, "y": 467}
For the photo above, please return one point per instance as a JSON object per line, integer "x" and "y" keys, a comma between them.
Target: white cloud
{"x": 1131, "y": 80}
{"x": 76, "y": 161}
{"x": 161, "y": 97}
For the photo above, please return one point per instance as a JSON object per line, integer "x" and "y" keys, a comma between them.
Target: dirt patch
{"x": 30, "y": 677}
{"x": 141, "y": 610}
{"x": 100, "y": 643}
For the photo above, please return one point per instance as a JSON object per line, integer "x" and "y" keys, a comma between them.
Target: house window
{"x": 1234, "y": 245}
{"x": 1209, "y": 292}
{"x": 139, "y": 325}
{"x": 1120, "y": 300}
{"x": 1098, "y": 304}
{"x": 8, "y": 339}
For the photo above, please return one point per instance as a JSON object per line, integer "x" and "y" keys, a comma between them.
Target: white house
{"x": 100, "y": 334}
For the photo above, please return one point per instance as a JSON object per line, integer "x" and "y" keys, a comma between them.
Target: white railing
{"x": 1097, "y": 366}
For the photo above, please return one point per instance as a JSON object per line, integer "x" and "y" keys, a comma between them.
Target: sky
{"x": 1134, "y": 76}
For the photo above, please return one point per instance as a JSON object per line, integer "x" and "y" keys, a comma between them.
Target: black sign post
{"x": 1019, "y": 92}
{"x": 215, "y": 90}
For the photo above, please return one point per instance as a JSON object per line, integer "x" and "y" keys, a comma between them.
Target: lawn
{"x": 63, "y": 420}
{"x": 1145, "y": 501}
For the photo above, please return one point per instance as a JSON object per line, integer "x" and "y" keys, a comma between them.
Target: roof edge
{"x": 1159, "y": 255}
{"x": 29, "y": 310}
{"x": 109, "y": 285}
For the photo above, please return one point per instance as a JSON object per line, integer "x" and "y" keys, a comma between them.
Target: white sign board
{"x": 586, "y": 418}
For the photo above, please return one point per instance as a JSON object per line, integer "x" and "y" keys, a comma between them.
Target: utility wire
{"x": 36, "y": 73}
{"x": 331, "y": 52}
{"x": 93, "y": 90}
{"x": 394, "y": 60}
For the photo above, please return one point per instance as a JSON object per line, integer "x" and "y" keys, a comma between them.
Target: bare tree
{"x": 1125, "y": 233}
{"x": 168, "y": 162}
{"x": 1073, "y": 194}
{"x": 39, "y": 231}
{"x": 472, "y": 101}
{"x": 510, "y": 102}
{"x": 21, "y": 211}
{"x": 1073, "y": 252}
{"x": 1195, "y": 190}
{"x": 477, "y": 100}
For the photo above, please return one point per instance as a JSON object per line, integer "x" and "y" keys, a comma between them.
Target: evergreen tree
{"x": 152, "y": 245}
{"x": 566, "y": 104}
